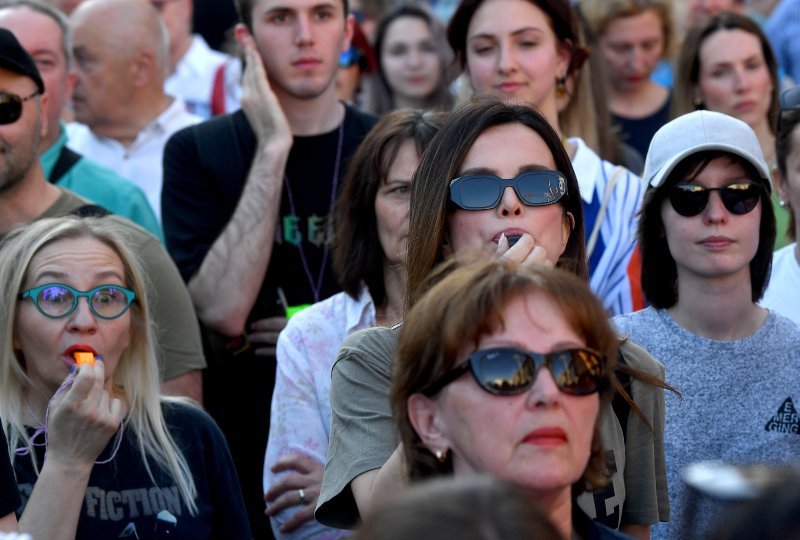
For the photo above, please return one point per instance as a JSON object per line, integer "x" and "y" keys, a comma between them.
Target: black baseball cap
{"x": 14, "y": 58}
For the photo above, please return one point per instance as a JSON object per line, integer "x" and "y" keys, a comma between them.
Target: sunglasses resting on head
{"x": 508, "y": 371}
{"x": 485, "y": 191}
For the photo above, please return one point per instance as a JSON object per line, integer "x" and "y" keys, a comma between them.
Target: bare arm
{"x": 190, "y": 385}
{"x": 227, "y": 283}
{"x": 8, "y": 523}
{"x": 372, "y": 488}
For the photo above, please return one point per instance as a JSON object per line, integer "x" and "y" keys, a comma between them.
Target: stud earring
{"x": 698, "y": 103}
{"x": 782, "y": 203}
{"x": 441, "y": 455}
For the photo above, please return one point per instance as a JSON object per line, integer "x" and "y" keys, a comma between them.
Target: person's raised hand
{"x": 525, "y": 251}
{"x": 82, "y": 418}
{"x": 305, "y": 475}
{"x": 259, "y": 102}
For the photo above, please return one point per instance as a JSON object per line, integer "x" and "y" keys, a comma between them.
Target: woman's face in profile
{"x": 540, "y": 439}
{"x": 505, "y": 151}
{"x": 734, "y": 77}
{"x": 46, "y": 344}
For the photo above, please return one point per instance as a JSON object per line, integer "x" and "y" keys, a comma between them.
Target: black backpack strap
{"x": 66, "y": 160}
{"x": 621, "y": 407}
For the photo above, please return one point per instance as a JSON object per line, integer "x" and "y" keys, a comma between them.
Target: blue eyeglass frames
{"x": 56, "y": 300}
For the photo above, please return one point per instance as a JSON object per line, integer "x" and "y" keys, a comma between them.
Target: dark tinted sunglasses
{"x": 484, "y": 191}
{"x": 690, "y": 199}
{"x": 509, "y": 371}
{"x": 11, "y": 106}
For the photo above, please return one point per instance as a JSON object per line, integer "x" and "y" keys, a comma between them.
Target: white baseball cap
{"x": 700, "y": 131}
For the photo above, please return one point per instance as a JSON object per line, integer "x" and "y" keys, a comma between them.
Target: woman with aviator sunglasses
{"x": 706, "y": 233}
{"x": 494, "y": 182}
{"x": 504, "y": 369}
{"x": 97, "y": 452}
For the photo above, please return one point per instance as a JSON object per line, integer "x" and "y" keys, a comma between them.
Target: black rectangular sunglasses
{"x": 508, "y": 371}
{"x": 484, "y": 191}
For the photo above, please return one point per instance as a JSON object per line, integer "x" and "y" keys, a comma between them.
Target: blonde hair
{"x": 136, "y": 375}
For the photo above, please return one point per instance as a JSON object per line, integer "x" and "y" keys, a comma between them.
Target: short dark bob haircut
{"x": 659, "y": 272}
{"x": 466, "y": 302}
{"x": 441, "y": 162}
{"x": 357, "y": 253}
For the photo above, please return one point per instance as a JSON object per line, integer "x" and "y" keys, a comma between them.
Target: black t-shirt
{"x": 9, "y": 496}
{"x": 638, "y": 132}
{"x": 121, "y": 501}
{"x": 205, "y": 169}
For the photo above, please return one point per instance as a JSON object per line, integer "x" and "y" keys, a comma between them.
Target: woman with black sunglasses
{"x": 783, "y": 292}
{"x": 706, "y": 233}
{"x": 504, "y": 369}
{"x": 496, "y": 181}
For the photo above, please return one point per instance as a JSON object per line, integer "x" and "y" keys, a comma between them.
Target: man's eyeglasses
{"x": 56, "y": 300}
{"x": 690, "y": 199}
{"x": 508, "y": 371}
{"x": 11, "y": 106}
{"x": 484, "y": 191}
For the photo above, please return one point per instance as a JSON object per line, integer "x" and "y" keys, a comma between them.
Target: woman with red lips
{"x": 495, "y": 182}
{"x": 503, "y": 369}
{"x": 529, "y": 51}
{"x": 727, "y": 65}
{"x": 97, "y": 452}
{"x": 706, "y": 233}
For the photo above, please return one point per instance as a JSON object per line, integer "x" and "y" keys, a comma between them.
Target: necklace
{"x": 316, "y": 285}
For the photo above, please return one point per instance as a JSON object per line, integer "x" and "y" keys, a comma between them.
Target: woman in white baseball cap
{"x": 706, "y": 232}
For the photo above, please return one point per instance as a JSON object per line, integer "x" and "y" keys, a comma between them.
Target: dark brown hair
{"x": 441, "y": 162}
{"x": 467, "y": 302}
{"x": 659, "y": 272}
{"x": 687, "y": 71}
{"x": 357, "y": 253}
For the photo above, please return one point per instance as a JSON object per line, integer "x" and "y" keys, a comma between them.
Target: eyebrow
{"x": 487, "y": 35}
{"x": 474, "y": 171}
{"x": 56, "y": 274}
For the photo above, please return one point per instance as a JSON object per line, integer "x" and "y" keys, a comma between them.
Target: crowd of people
{"x": 473, "y": 269}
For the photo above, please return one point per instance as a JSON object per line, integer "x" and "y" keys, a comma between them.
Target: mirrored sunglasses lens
{"x": 688, "y": 201}
{"x": 478, "y": 192}
{"x": 740, "y": 199}
{"x": 55, "y": 301}
{"x": 538, "y": 189}
{"x": 576, "y": 372}
{"x": 505, "y": 372}
{"x": 10, "y": 108}
{"x": 109, "y": 302}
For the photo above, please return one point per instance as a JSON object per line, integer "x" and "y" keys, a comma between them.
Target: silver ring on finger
{"x": 302, "y": 496}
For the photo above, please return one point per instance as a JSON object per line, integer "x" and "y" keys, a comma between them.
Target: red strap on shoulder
{"x": 218, "y": 91}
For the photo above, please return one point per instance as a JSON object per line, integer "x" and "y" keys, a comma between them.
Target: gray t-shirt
{"x": 737, "y": 404}
{"x": 363, "y": 436}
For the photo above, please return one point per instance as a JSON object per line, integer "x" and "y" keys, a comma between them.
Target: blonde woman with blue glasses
{"x": 97, "y": 452}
